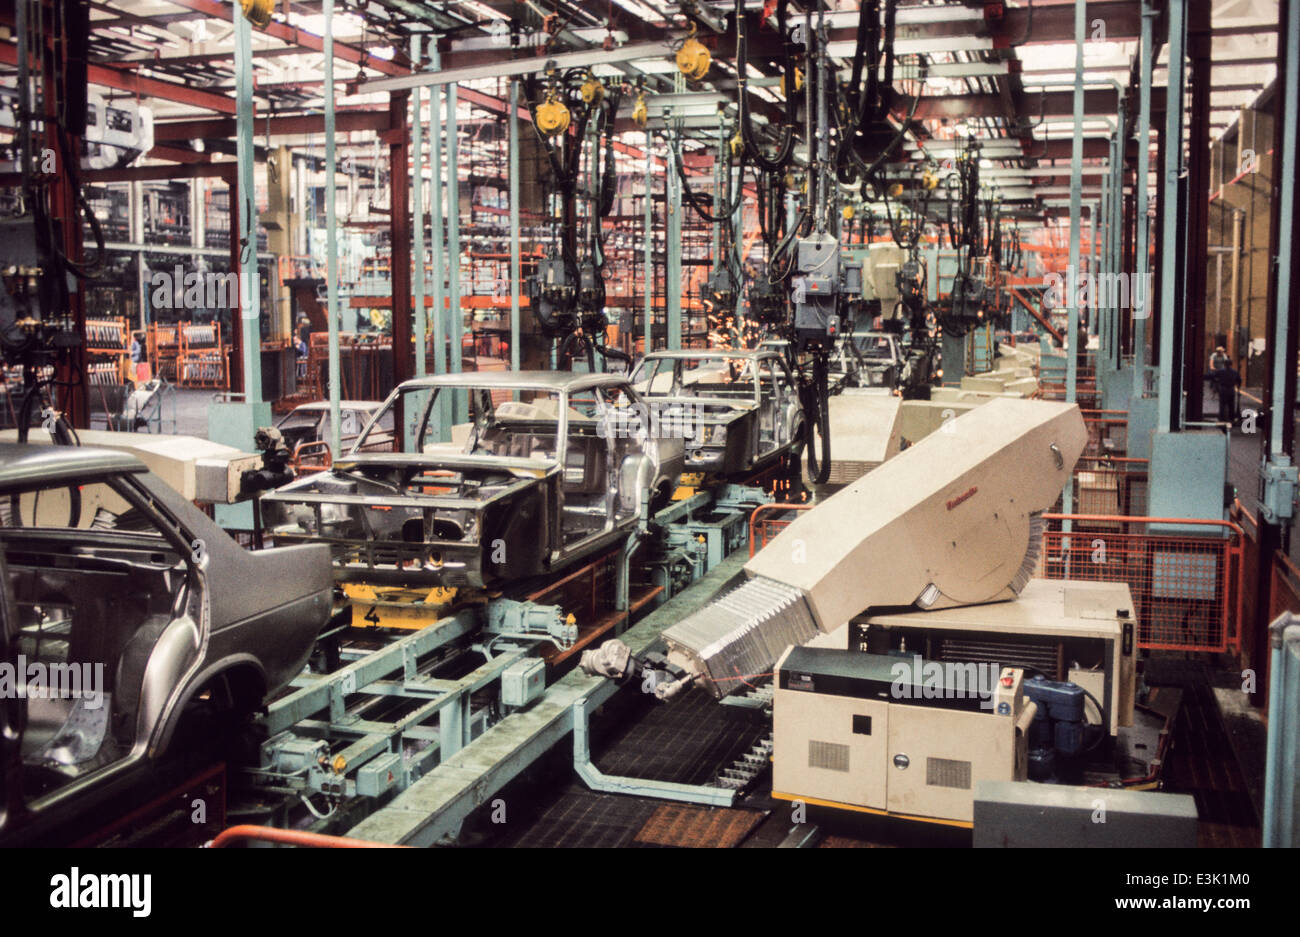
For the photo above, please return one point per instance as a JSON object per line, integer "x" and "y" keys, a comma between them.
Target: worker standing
{"x": 1226, "y": 380}
{"x": 139, "y": 360}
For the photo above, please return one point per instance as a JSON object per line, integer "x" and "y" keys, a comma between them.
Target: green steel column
{"x": 1142, "y": 260}
{"x": 1280, "y": 341}
{"x": 1095, "y": 218}
{"x": 1103, "y": 268}
{"x": 647, "y": 287}
{"x": 717, "y": 188}
{"x": 417, "y": 197}
{"x": 250, "y": 289}
{"x": 331, "y": 231}
{"x": 1076, "y": 211}
{"x": 442, "y": 413}
{"x": 436, "y": 222}
{"x": 460, "y": 407}
{"x": 1117, "y": 236}
{"x": 1170, "y": 172}
{"x": 674, "y": 247}
{"x": 516, "y": 271}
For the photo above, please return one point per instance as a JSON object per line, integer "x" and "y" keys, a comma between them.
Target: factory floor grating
{"x": 1203, "y": 762}
{"x": 698, "y": 827}
{"x": 688, "y": 741}
{"x": 578, "y": 818}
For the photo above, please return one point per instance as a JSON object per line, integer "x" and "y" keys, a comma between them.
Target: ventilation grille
{"x": 945, "y": 772}
{"x": 847, "y": 471}
{"x": 988, "y": 650}
{"x": 835, "y": 757}
{"x": 1032, "y": 553}
{"x": 738, "y": 637}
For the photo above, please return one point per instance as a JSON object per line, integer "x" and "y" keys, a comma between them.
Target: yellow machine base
{"x": 963, "y": 824}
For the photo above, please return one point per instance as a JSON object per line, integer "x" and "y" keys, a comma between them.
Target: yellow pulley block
{"x": 552, "y": 117}
{"x": 847, "y": 212}
{"x": 737, "y": 144}
{"x": 257, "y": 12}
{"x": 593, "y": 92}
{"x": 693, "y": 59}
{"x": 798, "y": 82}
{"x": 640, "y": 113}
{"x": 929, "y": 180}
{"x": 896, "y": 190}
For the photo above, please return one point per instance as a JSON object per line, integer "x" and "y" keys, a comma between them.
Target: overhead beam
{"x": 300, "y": 38}
{"x": 525, "y": 66}
{"x": 218, "y": 128}
{"x": 134, "y": 84}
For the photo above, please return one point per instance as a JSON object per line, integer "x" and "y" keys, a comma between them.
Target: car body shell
{"x": 492, "y": 515}
{"x": 759, "y": 423}
{"x": 306, "y": 431}
{"x": 254, "y": 616}
{"x": 868, "y": 359}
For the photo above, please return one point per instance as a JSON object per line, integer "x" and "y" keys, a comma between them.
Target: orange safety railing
{"x": 314, "y": 456}
{"x": 270, "y": 834}
{"x": 1106, "y": 426}
{"x": 759, "y": 526}
{"x": 1284, "y": 590}
{"x": 1187, "y": 587}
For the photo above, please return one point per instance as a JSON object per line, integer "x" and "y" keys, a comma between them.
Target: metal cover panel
{"x": 1023, "y": 813}
{"x": 1188, "y": 472}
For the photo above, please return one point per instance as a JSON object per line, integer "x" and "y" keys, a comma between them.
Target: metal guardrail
{"x": 269, "y": 834}
{"x": 1187, "y": 587}
{"x": 760, "y": 525}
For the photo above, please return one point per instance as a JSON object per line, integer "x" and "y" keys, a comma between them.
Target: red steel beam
{"x": 213, "y": 128}
{"x": 299, "y": 37}
{"x": 132, "y": 83}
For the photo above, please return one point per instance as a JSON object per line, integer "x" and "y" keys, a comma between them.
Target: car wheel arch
{"x": 245, "y": 680}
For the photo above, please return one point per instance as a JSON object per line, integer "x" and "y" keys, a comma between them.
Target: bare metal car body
{"x": 306, "y": 431}
{"x": 743, "y": 405}
{"x": 868, "y": 359}
{"x": 310, "y": 423}
{"x": 113, "y": 579}
{"x": 535, "y": 484}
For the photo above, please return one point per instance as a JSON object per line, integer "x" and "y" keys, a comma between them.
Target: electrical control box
{"x": 380, "y": 775}
{"x": 895, "y": 735}
{"x": 523, "y": 682}
{"x": 815, "y": 286}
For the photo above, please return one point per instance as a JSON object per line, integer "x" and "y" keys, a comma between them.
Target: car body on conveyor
{"x": 743, "y": 405}
{"x": 125, "y": 611}
{"x": 552, "y": 467}
{"x": 868, "y": 359}
{"x": 306, "y": 431}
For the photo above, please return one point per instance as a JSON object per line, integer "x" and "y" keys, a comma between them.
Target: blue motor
{"x": 1056, "y": 736}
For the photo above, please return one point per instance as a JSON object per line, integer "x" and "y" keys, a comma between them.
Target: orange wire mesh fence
{"x": 1187, "y": 584}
